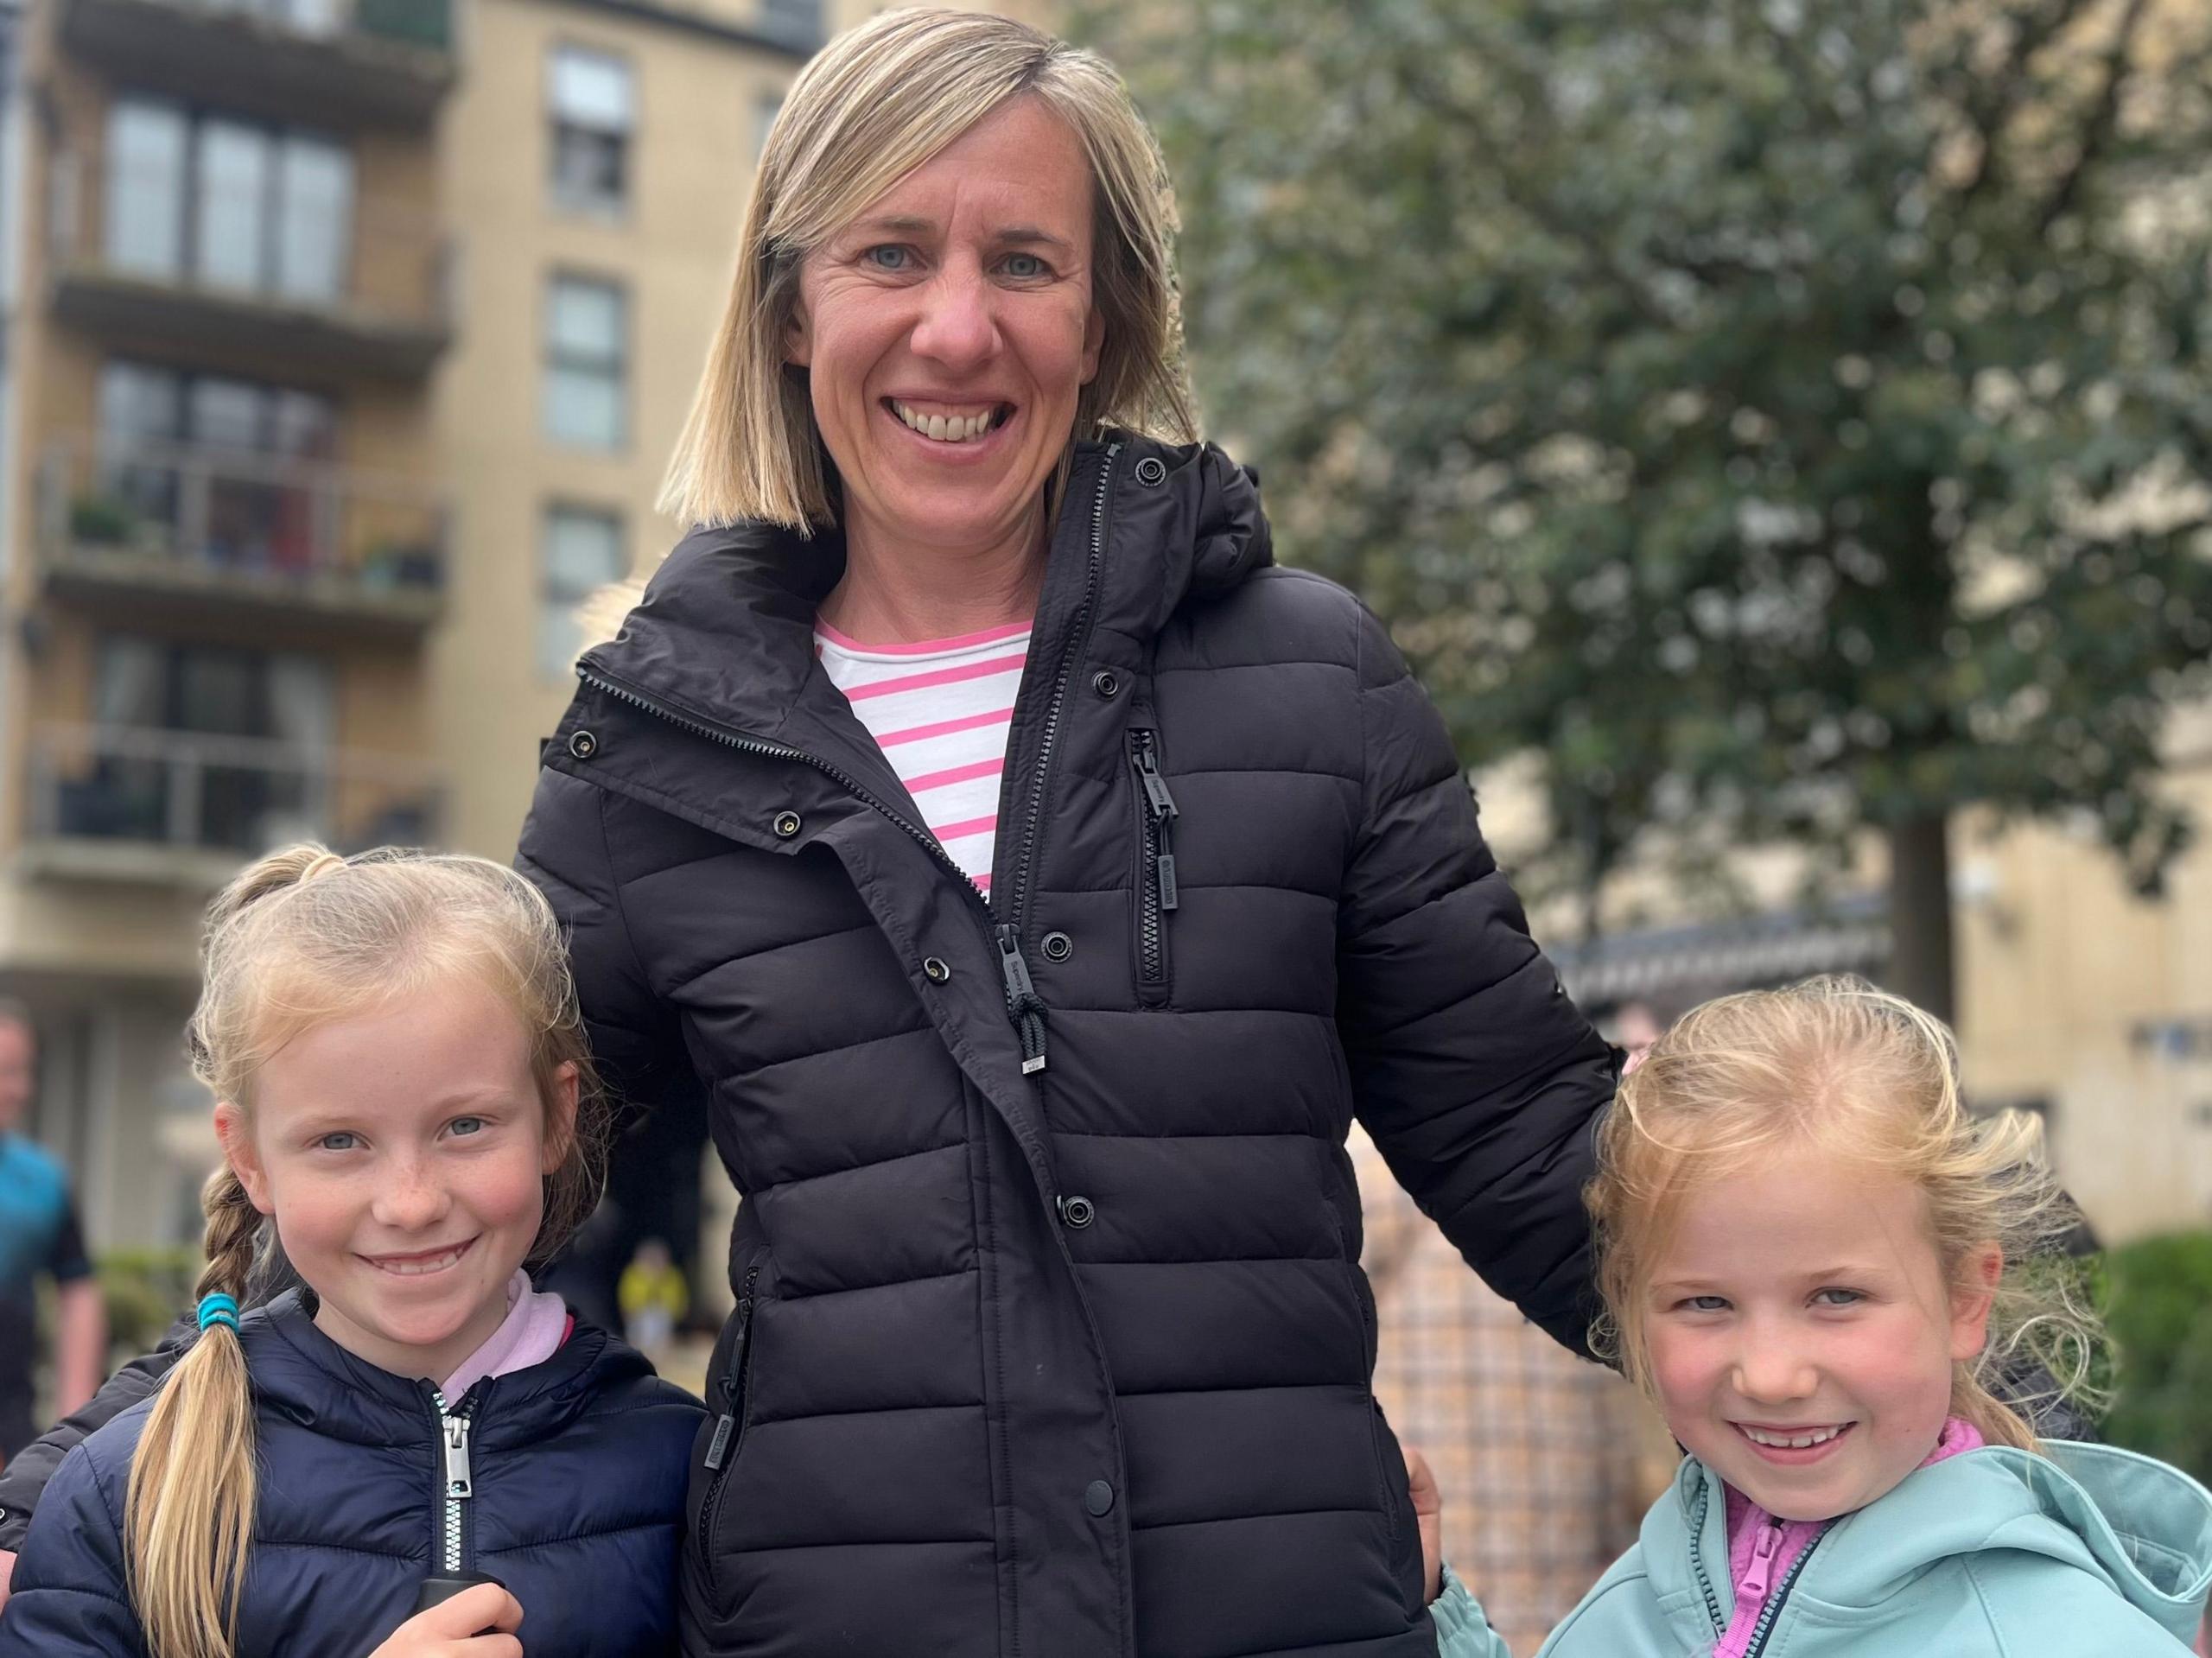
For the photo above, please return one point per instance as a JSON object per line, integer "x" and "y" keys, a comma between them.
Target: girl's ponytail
{"x": 188, "y": 1517}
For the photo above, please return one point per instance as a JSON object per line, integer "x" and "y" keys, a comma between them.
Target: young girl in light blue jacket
{"x": 1815, "y": 1260}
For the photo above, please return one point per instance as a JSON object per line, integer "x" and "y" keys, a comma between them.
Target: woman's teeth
{"x": 1801, "y": 1441}
{"x": 946, "y": 428}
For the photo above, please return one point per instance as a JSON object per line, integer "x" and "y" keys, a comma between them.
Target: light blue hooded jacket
{"x": 2090, "y": 1552}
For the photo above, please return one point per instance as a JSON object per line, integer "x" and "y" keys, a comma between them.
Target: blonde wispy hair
{"x": 300, "y": 937}
{"x": 1870, "y": 1081}
{"x": 874, "y": 103}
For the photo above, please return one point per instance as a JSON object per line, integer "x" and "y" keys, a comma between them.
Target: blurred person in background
{"x": 654, "y": 1298}
{"x": 38, "y": 1238}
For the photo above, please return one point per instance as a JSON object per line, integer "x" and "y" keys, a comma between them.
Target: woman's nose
{"x": 958, "y": 328}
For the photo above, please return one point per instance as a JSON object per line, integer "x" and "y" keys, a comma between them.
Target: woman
{"x": 1050, "y": 1337}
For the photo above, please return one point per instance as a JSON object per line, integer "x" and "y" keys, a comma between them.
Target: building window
{"x": 585, "y": 348}
{"x": 593, "y": 115}
{"x": 580, "y": 553}
{"x": 226, "y": 203}
{"x": 200, "y": 785}
{"x": 209, "y": 462}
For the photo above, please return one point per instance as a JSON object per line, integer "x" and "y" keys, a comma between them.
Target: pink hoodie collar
{"x": 536, "y": 1325}
{"x": 1755, "y": 1579}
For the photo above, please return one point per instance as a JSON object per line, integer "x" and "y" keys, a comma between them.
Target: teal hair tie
{"x": 218, "y": 1310}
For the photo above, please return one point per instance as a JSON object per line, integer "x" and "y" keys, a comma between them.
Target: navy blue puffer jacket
{"x": 576, "y": 1468}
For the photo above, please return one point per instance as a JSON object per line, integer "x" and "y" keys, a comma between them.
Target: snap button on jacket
{"x": 947, "y": 1421}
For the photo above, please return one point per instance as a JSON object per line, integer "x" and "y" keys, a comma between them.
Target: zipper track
{"x": 1153, "y": 900}
{"x": 451, "y": 1548}
{"x": 1764, "y": 1627}
{"x": 1697, "y": 1560}
{"x": 722, "y": 1449}
{"x": 744, "y": 745}
{"x": 1015, "y": 911}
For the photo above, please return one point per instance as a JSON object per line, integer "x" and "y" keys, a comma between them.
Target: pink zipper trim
{"x": 1762, "y": 1549}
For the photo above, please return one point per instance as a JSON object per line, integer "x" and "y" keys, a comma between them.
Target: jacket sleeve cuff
{"x": 1462, "y": 1631}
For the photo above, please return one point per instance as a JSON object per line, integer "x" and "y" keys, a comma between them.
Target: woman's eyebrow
{"x": 1025, "y": 235}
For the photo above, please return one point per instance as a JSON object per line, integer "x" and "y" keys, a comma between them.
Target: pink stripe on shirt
{"x": 944, "y": 727}
{"x": 954, "y": 774}
{"x": 938, "y": 677}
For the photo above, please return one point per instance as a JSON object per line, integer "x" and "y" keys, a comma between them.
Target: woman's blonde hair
{"x": 299, "y": 939}
{"x": 1869, "y": 1082}
{"x": 873, "y": 105}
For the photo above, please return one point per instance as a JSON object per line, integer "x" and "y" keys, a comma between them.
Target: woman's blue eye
{"x": 468, "y": 1125}
{"x": 1706, "y": 1303}
{"x": 1848, "y": 1298}
{"x": 887, "y": 258}
{"x": 343, "y": 1140}
{"x": 1024, "y": 265}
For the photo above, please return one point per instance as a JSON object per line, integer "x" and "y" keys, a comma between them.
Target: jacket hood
{"x": 2144, "y": 1527}
{"x": 726, "y": 627}
{"x": 299, "y": 1373}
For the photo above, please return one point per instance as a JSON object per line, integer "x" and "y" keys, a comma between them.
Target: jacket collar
{"x": 725, "y": 632}
{"x": 2144, "y": 1527}
{"x": 301, "y": 1373}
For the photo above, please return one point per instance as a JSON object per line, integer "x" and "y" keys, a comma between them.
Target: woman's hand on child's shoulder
{"x": 450, "y": 1628}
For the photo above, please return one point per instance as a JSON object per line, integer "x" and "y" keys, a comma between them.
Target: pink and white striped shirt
{"x": 940, "y": 711}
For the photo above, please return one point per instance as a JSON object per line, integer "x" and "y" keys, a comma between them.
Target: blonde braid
{"x": 189, "y": 1512}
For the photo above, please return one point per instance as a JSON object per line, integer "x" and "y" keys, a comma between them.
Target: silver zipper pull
{"x": 457, "y": 1456}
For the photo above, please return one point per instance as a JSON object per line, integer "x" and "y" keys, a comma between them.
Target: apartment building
{"x": 227, "y": 538}
{"x": 346, "y": 341}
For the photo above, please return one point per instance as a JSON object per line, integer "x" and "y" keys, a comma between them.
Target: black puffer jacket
{"x": 1049, "y": 1340}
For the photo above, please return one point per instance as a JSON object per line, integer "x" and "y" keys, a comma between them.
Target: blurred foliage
{"x": 2160, "y": 1315}
{"x": 145, "y": 1291}
{"x": 1782, "y": 418}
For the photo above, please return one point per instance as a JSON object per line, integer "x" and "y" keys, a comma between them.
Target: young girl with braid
{"x": 416, "y": 1453}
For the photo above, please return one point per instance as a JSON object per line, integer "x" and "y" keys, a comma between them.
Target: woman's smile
{"x": 956, "y": 434}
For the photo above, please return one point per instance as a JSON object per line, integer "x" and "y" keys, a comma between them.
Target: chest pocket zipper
{"x": 1158, "y": 895}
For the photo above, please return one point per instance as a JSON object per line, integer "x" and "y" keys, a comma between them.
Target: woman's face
{"x": 947, "y": 331}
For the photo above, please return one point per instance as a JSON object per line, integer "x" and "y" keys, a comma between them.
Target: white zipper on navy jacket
{"x": 453, "y": 1436}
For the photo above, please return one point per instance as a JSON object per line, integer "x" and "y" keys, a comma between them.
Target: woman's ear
{"x": 799, "y": 339}
{"x": 1973, "y": 1293}
{"x": 235, "y": 1134}
{"x": 561, "y": 1116}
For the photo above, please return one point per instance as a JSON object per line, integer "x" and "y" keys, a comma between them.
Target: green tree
{"x": 1785, "y": 418}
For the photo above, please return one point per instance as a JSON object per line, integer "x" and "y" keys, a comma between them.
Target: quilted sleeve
{"x": 1479, "y": 1081}
{"x": 635, "y": 1038}
{"x": 68, "y": 1599}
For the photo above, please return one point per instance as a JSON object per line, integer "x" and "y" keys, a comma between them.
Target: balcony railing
{"x": 134, "y": 802}
{"x": 187, "y": 522}
{"x": 368, "y": 63}
{"x": 347, "y": 280}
